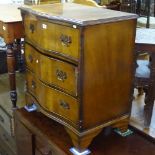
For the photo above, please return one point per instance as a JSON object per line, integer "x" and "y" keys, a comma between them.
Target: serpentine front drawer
{"x": 52, "y": 71}
{"x": 58, "y": 39}
{"x": 52, "y": 100}
{"x": 83, "y": 55}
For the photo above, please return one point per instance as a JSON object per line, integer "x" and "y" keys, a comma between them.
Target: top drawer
{"x": 58, "y": 39}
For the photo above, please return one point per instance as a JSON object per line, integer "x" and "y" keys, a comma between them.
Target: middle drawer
{"x": 52, "y": 71}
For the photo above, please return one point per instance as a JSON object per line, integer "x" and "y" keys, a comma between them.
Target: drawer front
{"x": 31, "y": 84}
{"x": 5, "y": 120}
{"x": 52, "y": 71}
{"x": 32, "y": 59}
{"x": 53, "y": 100}
{"x": 63, "y": 40}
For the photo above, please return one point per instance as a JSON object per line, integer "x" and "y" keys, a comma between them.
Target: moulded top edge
{"x": 77, "y": 14}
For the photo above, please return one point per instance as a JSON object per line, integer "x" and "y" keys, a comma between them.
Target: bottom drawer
{"x": 53, "y": 100}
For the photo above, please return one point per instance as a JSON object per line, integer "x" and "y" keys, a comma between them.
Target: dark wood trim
{"x": 56, "y": 17}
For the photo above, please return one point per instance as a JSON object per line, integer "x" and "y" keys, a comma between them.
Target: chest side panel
{"x": 107, "y": 71}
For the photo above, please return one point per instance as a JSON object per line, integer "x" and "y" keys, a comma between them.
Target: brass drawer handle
{"x": 33, "y": 85}
{"x": 31, "y": 27}
{"x": 64, "y": 104}
{"x": 30, "y": 58}
{"x": 1, "y": 119}
{"x": 61, "y": 75}
{"x": 65, "y": 40}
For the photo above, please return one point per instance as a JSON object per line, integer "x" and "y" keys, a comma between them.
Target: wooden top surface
{"x": 145, "y": 36}
{"x": 10, "y": 13}
{"x": 77, "y": 13}
{"x": 106, "y": 143}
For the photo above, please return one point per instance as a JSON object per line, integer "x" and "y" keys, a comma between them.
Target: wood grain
{"x": 103, "y": 49}
{"x": 82, "y": 15}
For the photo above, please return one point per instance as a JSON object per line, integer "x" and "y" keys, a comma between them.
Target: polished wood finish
{"x": 53, "y": 100}
{"x": 52, "y": 32}
{"x": 94, "y": 66}
{"x": 63, "y": 75}
{"x": 84, "y": 141}
{"x": 83, "y": 15}
{"x": 50, "y": 137}
{"x": 108, "y": 74}
{"x": 10, "y": 22}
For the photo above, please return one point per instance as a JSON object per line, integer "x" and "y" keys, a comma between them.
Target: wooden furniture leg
{"x": 148, "y": 108}
{"x": 150, "y": 93}
{"x": 145, "y": 43}
{"x": 11, "y": 72}
{"x": 81, "y": 142}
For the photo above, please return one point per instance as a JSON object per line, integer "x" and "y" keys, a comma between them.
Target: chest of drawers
{"x": 80, "y": 66}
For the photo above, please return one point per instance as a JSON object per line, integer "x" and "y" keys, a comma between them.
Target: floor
{"x": 137, "y": 118}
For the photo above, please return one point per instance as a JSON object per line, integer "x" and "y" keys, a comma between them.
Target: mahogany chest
{"x": 80, "y": 66}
